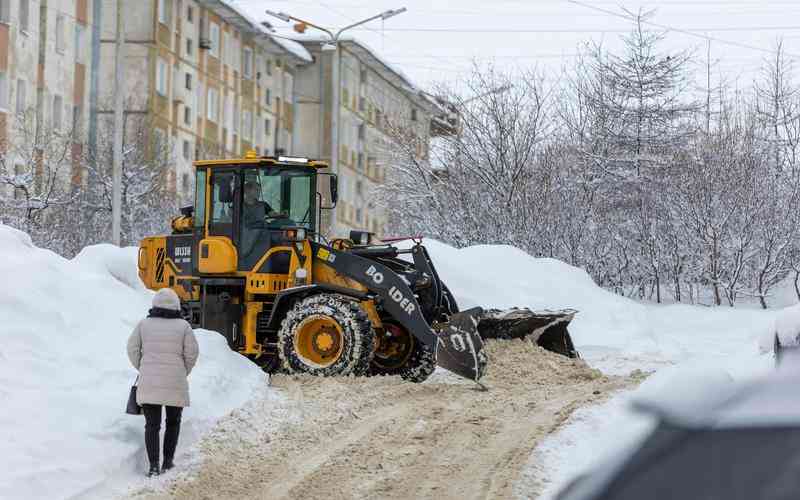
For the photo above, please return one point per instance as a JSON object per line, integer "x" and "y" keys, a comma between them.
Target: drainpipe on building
{"x": 94, "y": 77}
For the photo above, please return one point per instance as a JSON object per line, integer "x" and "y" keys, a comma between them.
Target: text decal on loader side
{"x": 395, "y": 294}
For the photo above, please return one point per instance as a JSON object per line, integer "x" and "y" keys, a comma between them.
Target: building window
{"x": 163, "y": 12}
{"x": 413, "y": 114}
{"x": 247, "y": 133}
{"x": 363, "y": 76}
{"x": 161, "y": 77}
{"x": 188, "y": 81}
{"x": 358, "y": 215}
{"x": 269, "y": 67}
{"x": 267, "y": 98}
{"x": 190, "y": 14}
{"x": 60, "y": 33}
{"x": 360, "y": 165}
{"x": 5, "y": 8}
{"x": 235, "y": 118}
{"x": 24, "y": 14}
{"x": 247, "y": 66}
{"x": 362, "y": 131}
{"x": 3, "y": 91}
{"x": 79, "y": 46}
{"x": 187, "y": 115}
{"x": 58, "y": 109}
{"x": 212, "y": 108}
{"x": 20, "y": 96}
{"x": 187, "y": 155}
{"x": 267, "y": 127}
{"x": 213, "y": 33}
{"x": 359, "y": 188}
{"x": 189, "y": 47}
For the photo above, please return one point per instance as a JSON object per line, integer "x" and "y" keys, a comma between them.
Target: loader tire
{"x": 326, "y": 335}
{"x": 415, "y": 363}
{"x": 421, "y": 365}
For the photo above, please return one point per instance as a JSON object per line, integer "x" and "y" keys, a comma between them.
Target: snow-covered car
{"x": 741, "y": 443}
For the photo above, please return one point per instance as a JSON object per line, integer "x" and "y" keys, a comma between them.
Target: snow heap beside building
{"x": 65, "y": 375}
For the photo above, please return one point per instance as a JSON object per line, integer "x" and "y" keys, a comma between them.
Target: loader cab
{"x": 234, "y": 232}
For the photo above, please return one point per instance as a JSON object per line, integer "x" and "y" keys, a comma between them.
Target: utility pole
{"x": 119, "y": 103}
{"x": 336, "y": 83}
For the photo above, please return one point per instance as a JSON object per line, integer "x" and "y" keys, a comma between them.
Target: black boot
{"x": 154, "y": 471}
{"x": 171, "y": 433}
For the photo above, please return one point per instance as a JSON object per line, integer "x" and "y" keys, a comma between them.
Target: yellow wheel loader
{"x": 248, "y": 261}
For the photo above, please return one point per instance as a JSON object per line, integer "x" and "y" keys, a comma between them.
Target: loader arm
{"x": 457, "y": 344}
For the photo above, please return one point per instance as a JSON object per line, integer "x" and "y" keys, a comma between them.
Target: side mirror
{"x": 334, "y": 185}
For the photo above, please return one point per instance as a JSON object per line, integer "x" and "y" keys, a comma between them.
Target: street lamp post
{"x": 333, "y": 45}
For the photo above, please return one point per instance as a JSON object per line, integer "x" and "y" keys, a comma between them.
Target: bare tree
{"x": 36, "y": 166}
{"x": 490, "y": 181}
{"x": 149, "y": 191}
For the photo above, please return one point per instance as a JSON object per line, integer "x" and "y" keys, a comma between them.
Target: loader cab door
{"x": 218, "y": 240}
{"x": 223, "y": 217}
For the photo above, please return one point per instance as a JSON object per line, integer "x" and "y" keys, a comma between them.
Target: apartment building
{"x": 213, "y": 83}
{"x": 211, "y": 80}
{"x": 376, "y": 101}
{"x": 44, "y": 76}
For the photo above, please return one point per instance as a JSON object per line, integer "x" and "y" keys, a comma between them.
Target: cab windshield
{"x": 273, "y": 198}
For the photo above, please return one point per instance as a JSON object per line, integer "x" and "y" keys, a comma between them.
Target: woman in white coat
{"x": 164, "y": 350}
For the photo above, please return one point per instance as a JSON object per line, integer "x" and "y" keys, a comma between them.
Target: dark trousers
{"x": 152, "y": 426}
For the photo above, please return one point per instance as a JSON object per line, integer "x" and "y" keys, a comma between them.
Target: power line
{"x": 572, "y": 30}
{"x": 493, "y": 56}
{"x": 372, "y": 30}
{"x": 678, "y": 30}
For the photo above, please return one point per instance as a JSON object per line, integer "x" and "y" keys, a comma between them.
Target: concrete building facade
{"x": 210, "y": 79}
{"x": 213, "y": 83}
{"x": 44, "y": 67}
{"x": 376, "y": 103}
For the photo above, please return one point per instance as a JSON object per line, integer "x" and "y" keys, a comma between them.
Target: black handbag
{"x": 133, "y": 407}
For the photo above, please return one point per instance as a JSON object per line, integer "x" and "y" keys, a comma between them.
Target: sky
{"x": 435, "y": 41}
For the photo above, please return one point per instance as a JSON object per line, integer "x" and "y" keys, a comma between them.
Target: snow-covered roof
{"x": 243, "y": 21}
{"x": 291, "y": 46}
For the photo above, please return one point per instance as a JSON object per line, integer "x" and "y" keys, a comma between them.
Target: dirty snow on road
{"x": 385, "y": 438}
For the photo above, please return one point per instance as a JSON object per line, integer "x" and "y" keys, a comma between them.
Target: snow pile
{"x": 613, "y": 333}
{"x": 108, "y": 259}
{"x": 787, "y": 327}
{"x": 65, "y": 376}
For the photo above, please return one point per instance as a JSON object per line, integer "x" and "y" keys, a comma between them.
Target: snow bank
{"x": 65, "y": 376}
{"x": 613, "y": 333}
{"x": 787, "y": 326}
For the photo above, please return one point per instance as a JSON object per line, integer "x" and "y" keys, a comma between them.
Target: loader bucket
{"x": 459, "y": 348}
{"x": 547, "y": 329}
